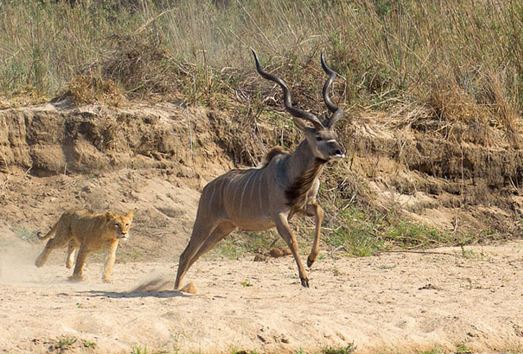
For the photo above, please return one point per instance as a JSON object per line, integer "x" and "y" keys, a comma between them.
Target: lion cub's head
{"x": 120, "y": 223}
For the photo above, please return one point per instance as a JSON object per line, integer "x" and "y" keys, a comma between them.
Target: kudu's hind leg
{"x": 218, "y": 234}
{"x": 316, "y": 211}
{"x": 286, "y": 233}
{"x": 200, "y": 233}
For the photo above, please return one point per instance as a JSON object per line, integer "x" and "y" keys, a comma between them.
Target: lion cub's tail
{"x": 47, "y": 235}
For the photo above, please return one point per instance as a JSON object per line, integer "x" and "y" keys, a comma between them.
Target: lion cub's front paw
{"x": 76, "y": 278}
{"x": 107, "y": 280}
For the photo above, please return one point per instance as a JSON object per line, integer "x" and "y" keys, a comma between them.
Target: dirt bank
{"x": 157, "y": 157}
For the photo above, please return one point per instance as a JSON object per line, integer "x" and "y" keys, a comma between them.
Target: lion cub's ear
{"x": 109, "y": 216}
{"x": 130, "y": 214}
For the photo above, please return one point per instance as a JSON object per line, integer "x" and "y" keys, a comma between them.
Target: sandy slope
{"x": 396, "y": 302}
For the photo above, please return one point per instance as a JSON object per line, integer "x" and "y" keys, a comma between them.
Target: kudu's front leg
{"x": 284, "y": 229}
{"x": 317, "y": 211}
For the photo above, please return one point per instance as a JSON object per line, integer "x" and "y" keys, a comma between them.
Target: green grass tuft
{"x": 351, "y": 348}
{"x": 64, "y": 343}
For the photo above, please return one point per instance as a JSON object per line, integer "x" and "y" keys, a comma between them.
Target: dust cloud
{"x": 17, "y": 258}
{"x": 155, "y": 282}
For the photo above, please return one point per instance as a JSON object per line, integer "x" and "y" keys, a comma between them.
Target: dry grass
{"x": 389, "y": 52}
{"x": 85, "y": 89}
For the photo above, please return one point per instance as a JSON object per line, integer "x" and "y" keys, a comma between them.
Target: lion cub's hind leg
{"x": 60, "y": 240}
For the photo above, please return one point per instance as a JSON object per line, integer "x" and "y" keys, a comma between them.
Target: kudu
{"x": 258, "y": 199}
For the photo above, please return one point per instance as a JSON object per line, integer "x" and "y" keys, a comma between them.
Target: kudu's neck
{"x": 302, "y": 160}
{"x": 302, "y": 169}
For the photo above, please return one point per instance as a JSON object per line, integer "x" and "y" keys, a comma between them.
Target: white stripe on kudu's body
{"x": 262, "y": 198}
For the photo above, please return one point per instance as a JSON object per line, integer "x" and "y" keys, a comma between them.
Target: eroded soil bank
{"x": 156, "y": 158}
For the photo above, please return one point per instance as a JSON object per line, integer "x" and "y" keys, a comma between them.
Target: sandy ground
{"x": 395, "y": 302}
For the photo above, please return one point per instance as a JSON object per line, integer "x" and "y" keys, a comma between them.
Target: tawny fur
{"x": 86, "y": 232}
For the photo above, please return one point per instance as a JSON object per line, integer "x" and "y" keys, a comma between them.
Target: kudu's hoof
{"x": 309, "y": 262}
{"x": 304, "y": 282}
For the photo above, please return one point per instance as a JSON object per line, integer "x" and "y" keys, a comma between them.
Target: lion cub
{"x": 86, "y": 231}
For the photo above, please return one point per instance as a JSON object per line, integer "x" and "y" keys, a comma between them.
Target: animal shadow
{"x": 135, "y": 294}
{"x": 156, "y": 287}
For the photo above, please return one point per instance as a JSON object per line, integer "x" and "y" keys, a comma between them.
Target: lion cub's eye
{"x": 319, "y": 138}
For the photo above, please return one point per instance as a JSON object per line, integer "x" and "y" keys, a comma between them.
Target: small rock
{"x": 260, "y": 258}
{"x": 261, "y": 338}
{"x": 279, "y": 252}
{"x": 189, "y": 288}
{"x": 429, "y": 286}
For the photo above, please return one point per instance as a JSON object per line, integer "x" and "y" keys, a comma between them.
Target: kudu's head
{"x": 321, "y": 136}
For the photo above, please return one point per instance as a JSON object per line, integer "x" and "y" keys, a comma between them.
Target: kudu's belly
{"x": 249, "y": 217}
